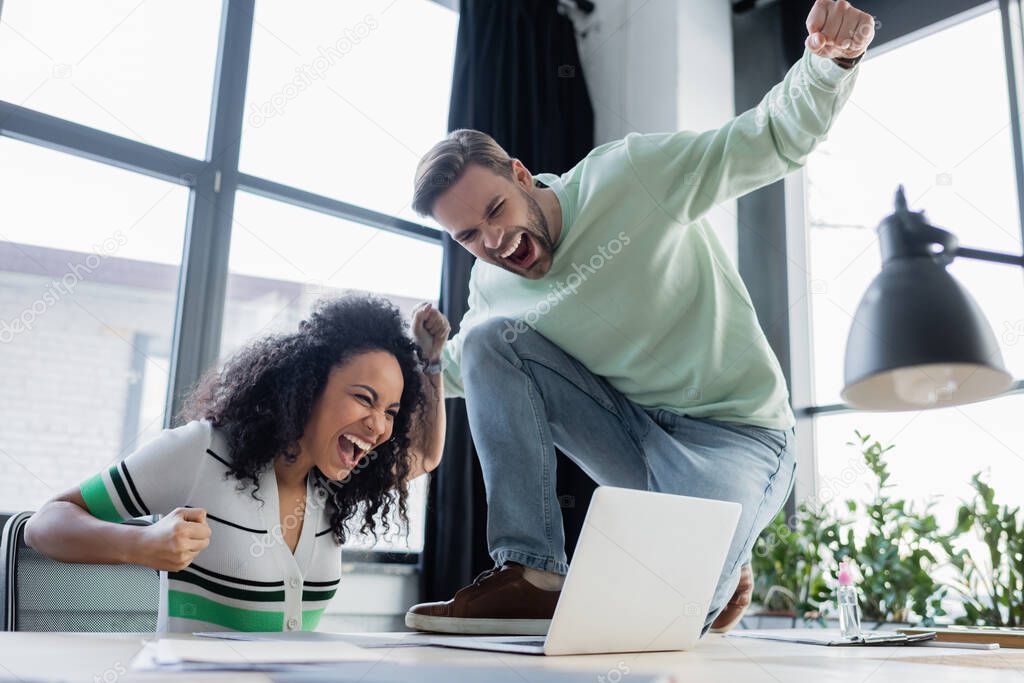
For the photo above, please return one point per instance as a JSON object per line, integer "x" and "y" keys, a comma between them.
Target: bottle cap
{"x": 845, "y": 575}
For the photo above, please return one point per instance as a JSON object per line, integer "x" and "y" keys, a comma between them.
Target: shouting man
{"x": 607, "y": 320}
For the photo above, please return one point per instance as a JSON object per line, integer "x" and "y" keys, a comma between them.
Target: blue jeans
{"x": 525, "y": 396}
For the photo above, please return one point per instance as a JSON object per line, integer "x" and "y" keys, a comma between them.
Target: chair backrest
{"x": 40, "y": 594}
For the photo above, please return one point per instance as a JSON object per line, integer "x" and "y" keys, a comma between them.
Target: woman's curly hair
{"x": 263, "y": 397}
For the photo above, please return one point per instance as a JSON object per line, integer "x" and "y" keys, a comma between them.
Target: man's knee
{"x": 483, "y": 343}
{"x": 499, "y": 340}
{"x": 489, "y": 333}
{"x": 495, "y": 334}
{"x": 484, "y": 338}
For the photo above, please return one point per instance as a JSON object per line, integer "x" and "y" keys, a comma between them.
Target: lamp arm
{"x": 984, "y": 255}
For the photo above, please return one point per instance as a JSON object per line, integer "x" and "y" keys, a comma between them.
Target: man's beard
{"x": 537, "y": 228}
{"x": 538, "y": 225}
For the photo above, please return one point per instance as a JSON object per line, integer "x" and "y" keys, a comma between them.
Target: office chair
{"x": 40, "y": 594}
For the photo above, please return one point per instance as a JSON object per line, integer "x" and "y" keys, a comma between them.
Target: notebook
{"x": 832, "y": 637}
{"x": 1003, "y": 635}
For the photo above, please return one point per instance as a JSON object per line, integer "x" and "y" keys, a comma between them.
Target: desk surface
{"x": 107, "y": 657}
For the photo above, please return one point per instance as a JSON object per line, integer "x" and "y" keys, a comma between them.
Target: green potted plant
{"x": 788, "y": 563}
{"x": 895, "y": 554}
{"x": 794, "y": 560}
{"x": 991, "y": 585}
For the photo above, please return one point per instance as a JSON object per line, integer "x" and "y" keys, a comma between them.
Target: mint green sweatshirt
{"x": 640, "y": 290}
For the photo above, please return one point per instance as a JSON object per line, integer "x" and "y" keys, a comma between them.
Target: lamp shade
{"x": 918, "y": 339}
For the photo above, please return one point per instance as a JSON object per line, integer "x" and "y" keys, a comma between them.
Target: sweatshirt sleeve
{"x": 477, "y": 312}
{"x": 452, "y": 374}
{"x": 152, "y": 480}
{"x": 687, "y": 173}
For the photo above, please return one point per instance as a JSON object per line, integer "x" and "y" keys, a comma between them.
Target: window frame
{"x": 213, "y": 183}
{"x": 910, "y": 25}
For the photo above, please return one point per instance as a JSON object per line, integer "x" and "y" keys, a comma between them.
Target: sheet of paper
{"x": 171, "y": 651}
{"x": 364, "y": 640}
{"x": 146, "y": 660}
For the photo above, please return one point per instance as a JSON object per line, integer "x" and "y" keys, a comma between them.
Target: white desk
{"x": 107, "y": 658}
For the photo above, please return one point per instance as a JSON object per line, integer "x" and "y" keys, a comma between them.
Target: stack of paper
{"x": 320, "y": 661}
{"x": 170, "y": 654}
{"x": 366, "y": 640}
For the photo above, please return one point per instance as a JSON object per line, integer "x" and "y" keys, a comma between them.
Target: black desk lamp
{"x": 918, "y": 339}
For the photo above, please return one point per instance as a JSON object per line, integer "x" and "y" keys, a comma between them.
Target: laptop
{"x": 641, "y": 579}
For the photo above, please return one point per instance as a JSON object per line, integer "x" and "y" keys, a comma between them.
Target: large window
{"x": 344, "y": 97}
{"x": 121, "y": 66}
{"x": 89, "y": 265}
{"x": 284, "y": 258}
{"x": 156, "y": 213}
{"x": 934, "y": 115}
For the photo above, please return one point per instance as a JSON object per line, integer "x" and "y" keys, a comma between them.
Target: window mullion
{"x": 1013, "y": 43}
{"x": 208, "y": 234}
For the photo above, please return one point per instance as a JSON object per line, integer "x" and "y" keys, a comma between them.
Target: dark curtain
{"x": 794, "y": 30}
{"x": 517, "y": 78}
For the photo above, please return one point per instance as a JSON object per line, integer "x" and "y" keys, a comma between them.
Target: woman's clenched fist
{"x": 172, "y": 543}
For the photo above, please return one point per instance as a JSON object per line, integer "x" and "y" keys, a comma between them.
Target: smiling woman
{"x": 290, "y": 399}
{"x": 288, "y": 443}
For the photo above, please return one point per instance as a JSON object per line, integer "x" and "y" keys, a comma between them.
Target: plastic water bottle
{"x": 847, "y": 604}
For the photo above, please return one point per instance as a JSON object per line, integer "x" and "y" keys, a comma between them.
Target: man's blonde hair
{"x": 444, "y": 164}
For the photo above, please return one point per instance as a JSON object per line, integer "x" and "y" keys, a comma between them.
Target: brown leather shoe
{"x": 500, "y": 602}
{"x": 733, "y": 612}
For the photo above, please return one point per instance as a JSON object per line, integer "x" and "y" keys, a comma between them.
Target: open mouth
{"x": 351, "y": 449}
{"x": 521, "y": 252}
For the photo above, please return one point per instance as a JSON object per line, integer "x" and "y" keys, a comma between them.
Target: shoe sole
{"x": 477, "y": 627}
